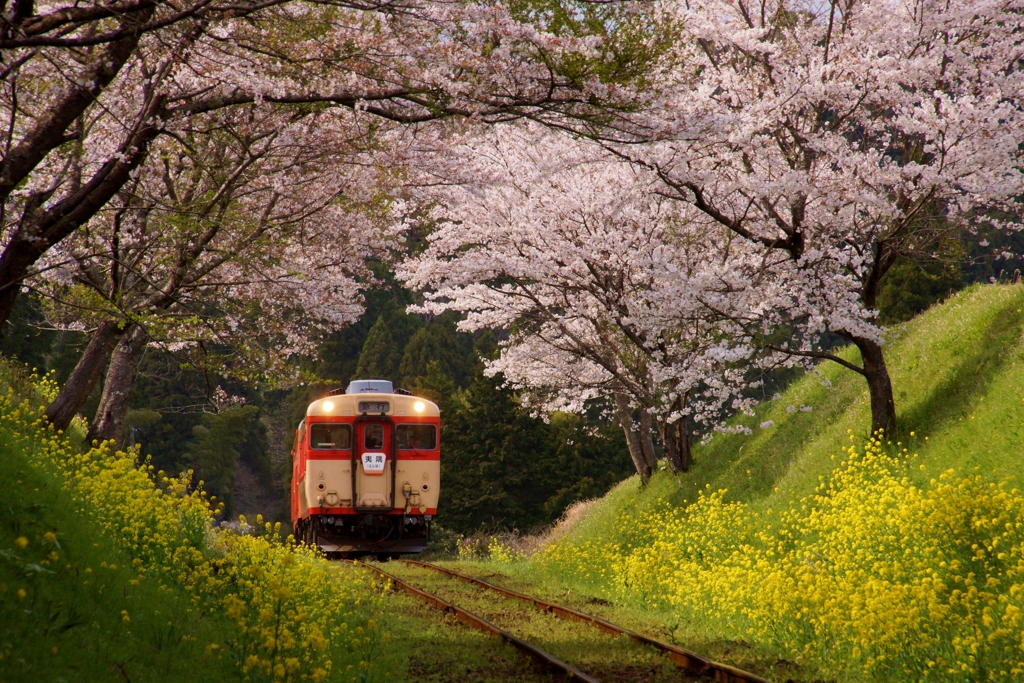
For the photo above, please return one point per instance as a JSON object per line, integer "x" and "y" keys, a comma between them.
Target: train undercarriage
{"x": 351, "y": 536}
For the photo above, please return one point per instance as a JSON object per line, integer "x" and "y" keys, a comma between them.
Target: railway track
{"x": 687, "y": 665}
{"x": 546, "y": 659}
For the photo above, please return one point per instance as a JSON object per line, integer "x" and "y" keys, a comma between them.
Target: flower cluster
{"x": 881, "y": 574}
{"x": 295, "y": 617}
{"x": 503, "y": 553}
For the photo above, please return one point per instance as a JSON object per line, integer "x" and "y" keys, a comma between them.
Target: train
{"x": 366, "y": 471}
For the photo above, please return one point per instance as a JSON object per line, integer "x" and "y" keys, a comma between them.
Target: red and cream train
{"x": 366, "y": 471}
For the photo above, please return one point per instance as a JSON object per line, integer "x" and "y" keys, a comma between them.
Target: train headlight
{"x": 419, "y": 406}
{"x": 328, "y": 406}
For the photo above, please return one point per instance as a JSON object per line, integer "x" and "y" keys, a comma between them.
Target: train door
{"x": 373, "y": 465}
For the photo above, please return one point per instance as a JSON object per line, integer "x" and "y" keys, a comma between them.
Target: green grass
{"x": 429, "y": 646}
{"x": 605, "y": 657}
{"x": 958, "y": 375}
{"x": 659, "y": 624}
{"x": 84, "y": 616}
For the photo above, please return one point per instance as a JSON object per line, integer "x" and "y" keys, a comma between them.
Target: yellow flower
{"x": 21, "y": 542}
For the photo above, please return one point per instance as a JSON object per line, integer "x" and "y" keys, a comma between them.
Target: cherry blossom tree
{"x": 88, "y": 87}
{"x": 836, "y": 138}
{"x": 238, "y": 245}
{"x": 603, "y": 290}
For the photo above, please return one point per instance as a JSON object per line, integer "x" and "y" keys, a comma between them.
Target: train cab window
{"x": 416, "y": 437}
{"x": 330, "y": 437}
{"x": 373, "y": 436}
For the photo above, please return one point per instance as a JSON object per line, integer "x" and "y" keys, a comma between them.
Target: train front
{"x": 366, "y": 471}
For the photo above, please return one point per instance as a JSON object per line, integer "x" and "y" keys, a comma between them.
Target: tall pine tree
{"x": 438, "y": 342}
{"x": 381, "y": 355}
{"x": 503, "y": 469}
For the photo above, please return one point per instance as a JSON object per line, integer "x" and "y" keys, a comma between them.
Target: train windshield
{"x": 416, "y": 437}
{"x": 330, "y": 436}
{"x": 373, "y": 436}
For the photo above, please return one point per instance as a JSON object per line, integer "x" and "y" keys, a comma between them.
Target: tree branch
{"x": 820, "y": 354}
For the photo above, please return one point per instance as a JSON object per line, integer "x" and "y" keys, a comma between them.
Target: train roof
{"x": 399, "y": 405}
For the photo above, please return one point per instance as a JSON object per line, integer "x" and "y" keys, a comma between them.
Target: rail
{"x": 467, "y": 617}
{"x": 681, "y": 657}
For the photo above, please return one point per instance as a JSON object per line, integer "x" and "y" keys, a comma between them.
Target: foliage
{"x": 502, "y": 553}
{"x": 910, "y": 288}
{"x": 856, "y": 579}
{"x": 503, "y": 468}
{"x": 437, "y": 342}
{"x": 381, "y": 355}
{"x": 95, "y": 99}
{"x": 596, "y": 283}
{"x": 340, "y": 350}
{"x": 210, "y": 454}
{"x": 293, "y": 617}
{"x": 788, "y": 157}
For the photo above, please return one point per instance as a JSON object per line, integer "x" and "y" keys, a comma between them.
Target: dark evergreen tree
{"x": 438, "y": 387}
{"x": 493, "y": 461}
{"x": 590, "y": 456}
{"x": 381, "y": 355}
{"x": 340, "y": 351}
{"x": 502, "y": 468}
{"x": 910, "y": 288}
{"x": 212, "y": 452}
{"x": 438, "y": 342}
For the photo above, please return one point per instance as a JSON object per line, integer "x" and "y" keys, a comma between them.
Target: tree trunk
{"x": 676, "y": 439}
{"x": 883, "y": 406}
{"x": 109, "y": 421}
{"x": 625, "y": 415}
{"x": 647, "y": 439}
{"x": 683, "y": 444}
{"x": 83, "y": 378}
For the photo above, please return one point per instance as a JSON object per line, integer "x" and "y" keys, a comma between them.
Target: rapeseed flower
{"x": 875, "y": 576}
{"x": 294, "y": 615}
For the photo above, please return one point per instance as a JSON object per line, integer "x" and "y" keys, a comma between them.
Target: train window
{"x": 373, "y": 436}
{"x": 330, "y": 437}
{"x": 416, "y": 437}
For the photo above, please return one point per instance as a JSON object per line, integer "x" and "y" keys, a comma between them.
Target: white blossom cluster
{"x": 600, "y": 283}
{"x": 784, "y": 156}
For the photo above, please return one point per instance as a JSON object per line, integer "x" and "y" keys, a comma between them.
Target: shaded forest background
{"x": 502, "y": 468}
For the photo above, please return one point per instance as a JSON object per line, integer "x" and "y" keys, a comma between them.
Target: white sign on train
{"x": 373, "y": 463}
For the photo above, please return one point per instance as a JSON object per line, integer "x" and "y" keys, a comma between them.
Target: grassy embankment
{"x": 813, "y": 552}
{"x": 731, "y": 577}
{"x": 107, "y": 576}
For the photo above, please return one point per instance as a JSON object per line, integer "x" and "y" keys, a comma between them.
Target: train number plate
{"x": 373, "y": 463}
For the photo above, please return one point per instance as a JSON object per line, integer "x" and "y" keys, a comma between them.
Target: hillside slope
{"x": 831, "y": 553}
{"x": 958, "y": 374}
{"x": 110, "y": 571}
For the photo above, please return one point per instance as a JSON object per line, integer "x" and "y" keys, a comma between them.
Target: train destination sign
{"x": 373, "y": 463}
{"x": 374, "y": 406}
